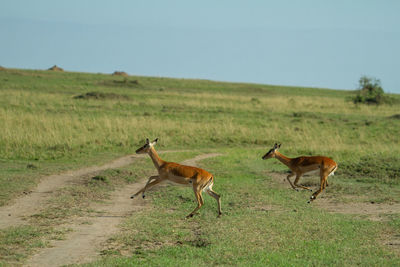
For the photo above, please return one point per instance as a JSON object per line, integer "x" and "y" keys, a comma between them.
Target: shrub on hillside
{"x": 369, "y": 92}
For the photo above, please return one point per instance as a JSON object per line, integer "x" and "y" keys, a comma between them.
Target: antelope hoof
{"x": 296, "y": 189}
{"x": 189, "y": 216}
{"x": 310, "y": 190}
{"x": 309, "y": 201}
{"x": 219, "y": 215}
{"x": 143, "y": 196}
{"x": 133, "y": 196}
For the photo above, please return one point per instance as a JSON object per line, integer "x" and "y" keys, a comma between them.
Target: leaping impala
{"x": 304, "y": 164}
{"x": 200, "y": 179}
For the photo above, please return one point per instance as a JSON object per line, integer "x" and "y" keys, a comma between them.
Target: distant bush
{"x": 395, "y": 116}
{"x": 120, "y": 73}
{"x": 370, "y": 91}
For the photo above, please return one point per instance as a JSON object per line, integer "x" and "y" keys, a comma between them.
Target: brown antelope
{"x": 200, "y": 179}
{"x": 304, "y": 164}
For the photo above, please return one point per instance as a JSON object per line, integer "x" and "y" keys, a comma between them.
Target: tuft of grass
{"x": 100, "y": 178}
{"x": 31, "y": 166}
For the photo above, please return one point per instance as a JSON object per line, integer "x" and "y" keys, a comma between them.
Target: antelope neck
{"x": 155, "y": 158}
{"x": 282, "y": 158}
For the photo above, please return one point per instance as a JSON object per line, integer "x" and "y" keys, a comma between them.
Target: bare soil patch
{"x": 193, "y": 161}
{"x": 370, "y": 210}
{"x": 84, "y": 241}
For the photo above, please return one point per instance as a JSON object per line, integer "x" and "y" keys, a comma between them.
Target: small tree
{"x": 370, "y": 91}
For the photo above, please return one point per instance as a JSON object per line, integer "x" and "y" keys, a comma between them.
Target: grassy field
{"x": 55, "y": 121}
{"x": 263, "y": 224}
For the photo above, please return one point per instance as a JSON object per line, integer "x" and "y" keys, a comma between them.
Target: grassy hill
{"x": 54, "y": 121}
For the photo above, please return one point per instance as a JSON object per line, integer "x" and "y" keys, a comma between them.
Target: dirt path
{"x": 12, "y": 215}
{"x": 83, "y": 243}
{"x": 193, "y": 161}
{"x": 373, "y": 211}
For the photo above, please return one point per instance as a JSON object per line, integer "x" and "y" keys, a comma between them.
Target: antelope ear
{"x": 154, "y": 142}
{"x": 276, "y": 146}
{"x": 279, "y": 145}
{"x": 147, "y": 140}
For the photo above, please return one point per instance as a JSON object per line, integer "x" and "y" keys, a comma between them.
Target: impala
{"x": 304, "y": 164}
{"x": 200, "y": 179}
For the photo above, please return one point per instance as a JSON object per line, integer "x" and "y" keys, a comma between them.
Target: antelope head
{"x": 271, "y": 152}
{"x": 146, "y": 147}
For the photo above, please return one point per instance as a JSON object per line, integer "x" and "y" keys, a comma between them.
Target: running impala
{"x": 304, "y": 164}
{"x": 200, "y": 179}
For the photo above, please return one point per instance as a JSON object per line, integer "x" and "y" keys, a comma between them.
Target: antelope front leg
{"x": 155, "y": 177}
{"x": 290, "y": 175}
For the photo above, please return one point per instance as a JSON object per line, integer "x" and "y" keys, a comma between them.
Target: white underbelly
{"x": 178, "y": 180}
{"x": 316, "y": 172}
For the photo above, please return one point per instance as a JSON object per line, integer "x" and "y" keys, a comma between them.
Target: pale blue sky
{"x": 307, "y": 43}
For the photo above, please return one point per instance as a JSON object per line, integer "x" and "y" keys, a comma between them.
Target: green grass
{"x": 47, "y": 128}
{"x": 262, "y": 224}
{"x": 42, "y": 119}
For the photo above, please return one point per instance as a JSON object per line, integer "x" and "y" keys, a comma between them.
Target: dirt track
{"x": 82, "y": 244}
{"x": 13, "y": 215}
